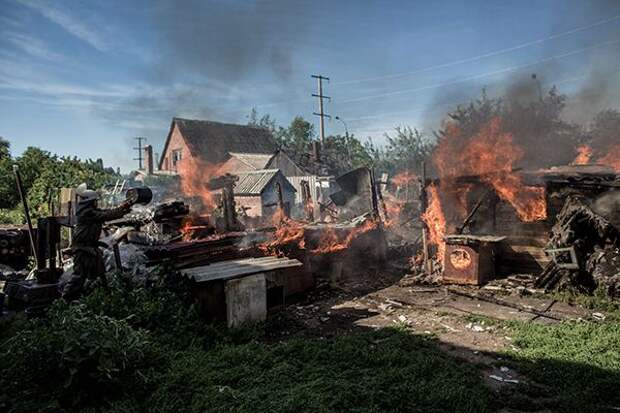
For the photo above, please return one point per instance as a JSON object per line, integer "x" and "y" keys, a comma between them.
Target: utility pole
{"x": 321, "y": 113}
{"x": 140, "y": 150}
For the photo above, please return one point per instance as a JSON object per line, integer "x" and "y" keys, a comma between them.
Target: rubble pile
{"x": 584, "y": 247}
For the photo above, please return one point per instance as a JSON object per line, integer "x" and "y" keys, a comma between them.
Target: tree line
{"x": 538, "y": 127}
{"x": 42, "y": 174}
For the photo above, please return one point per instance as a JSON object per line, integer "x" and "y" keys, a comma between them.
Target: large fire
{"x": 490, "y": 156}
{"x": 435, "y": 220}
{"x": 195, "y": 176}
{"x": 330, "y": 241}
{"x": 290, "y": 232}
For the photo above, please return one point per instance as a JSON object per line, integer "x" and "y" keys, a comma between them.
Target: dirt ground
{"x": 466, "y": 328}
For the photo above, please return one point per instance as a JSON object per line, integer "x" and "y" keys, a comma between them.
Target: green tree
{"x": 342, "y": 153}
{"x": 8, "y": 196}
{"x": 298, "y": 136}
{"x": 406, "y": 149}
{"x": 5, "y": 148}
{"x": 42, "y": 174}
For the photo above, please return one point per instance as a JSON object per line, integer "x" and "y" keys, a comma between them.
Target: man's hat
{"x": 86, "y": 194}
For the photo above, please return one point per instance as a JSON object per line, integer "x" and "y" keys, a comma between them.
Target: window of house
{"x": 177, "y": 155}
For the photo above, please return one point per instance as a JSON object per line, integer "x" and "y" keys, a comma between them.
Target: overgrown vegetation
{"x": 144, "y": 349}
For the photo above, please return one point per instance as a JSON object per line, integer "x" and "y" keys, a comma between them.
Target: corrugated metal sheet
{"x": 235, "y": 268}
{"x": 296, "y": 181}
{"x": 321, "y": 186}
{"x": 254, "y": 160}
{"x": 253, "y": 183}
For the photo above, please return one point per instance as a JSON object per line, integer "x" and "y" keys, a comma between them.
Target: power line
{"x": 140, "y": 150}
{"x": 478, "y": 76}
{"x": 457, "y": 62}
{"x": 441, "y": 107}
{"x": 483, "y": 56}
{"x": 320, "y": 96}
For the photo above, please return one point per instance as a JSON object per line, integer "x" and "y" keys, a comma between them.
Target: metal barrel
{"x": 141, "y": 195}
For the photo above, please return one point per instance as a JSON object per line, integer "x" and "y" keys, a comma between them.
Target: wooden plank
{"x": 251, "y": 266}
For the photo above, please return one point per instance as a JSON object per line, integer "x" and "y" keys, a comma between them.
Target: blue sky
{"x": 84, "y": 77}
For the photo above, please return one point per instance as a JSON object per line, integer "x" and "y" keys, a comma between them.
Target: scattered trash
{"x": 477, "y": 328}
{"x": 503, "y": 380}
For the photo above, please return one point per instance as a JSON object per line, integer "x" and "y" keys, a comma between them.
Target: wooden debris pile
{"x": 584, "y": 247}
{"x": 201, "y": 252}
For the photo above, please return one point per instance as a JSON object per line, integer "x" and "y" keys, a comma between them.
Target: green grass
{"x": 598, "y": 301}
{"x": 576, "y": 362}
{"x": 381, "y": 371}
{"x": 146, "y": 350}
{"x": 569, "y": 366}
{"x": 150, "y": 353}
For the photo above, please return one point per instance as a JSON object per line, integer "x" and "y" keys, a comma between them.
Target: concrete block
{"x": 246, "y": 300}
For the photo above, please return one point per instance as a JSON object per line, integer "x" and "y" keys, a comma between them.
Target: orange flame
{"x": 435, "y": 220}
{"x": 491, "y": 155}
{"x": 393, "y": 210}
{"x": 195, "y": 176}
{"x": 612, "y": 158}
{"x": 584, "y": 154}
{"x": 288, "y": 231}
{"x": 292, "y": 233}
{"x": 330, "y": 241}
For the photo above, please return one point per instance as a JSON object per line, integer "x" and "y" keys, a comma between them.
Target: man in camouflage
{"x": 88, "y": 264}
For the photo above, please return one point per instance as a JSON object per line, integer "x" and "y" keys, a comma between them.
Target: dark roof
{"x": 255, "y": 182}
{"x": 212, "y": 141}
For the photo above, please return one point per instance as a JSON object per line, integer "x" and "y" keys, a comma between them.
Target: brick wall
{"x": 176, "y": 143}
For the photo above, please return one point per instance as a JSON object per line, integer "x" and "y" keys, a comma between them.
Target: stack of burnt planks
{"x": 200, "y": 252}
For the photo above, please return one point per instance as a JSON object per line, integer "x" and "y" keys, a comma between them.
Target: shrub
{"x": 75, "y": 358}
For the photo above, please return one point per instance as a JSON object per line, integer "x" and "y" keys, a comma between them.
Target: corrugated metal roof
{"x": 253, "y": 183}
{"x": 236, "y": 268}
{"x": 254, "y": 160}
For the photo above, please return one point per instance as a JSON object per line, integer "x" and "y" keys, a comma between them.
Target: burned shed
{"x": 208, "y": 142}
{"x": 524, "y": 248}
{"x": 257, "y": 192}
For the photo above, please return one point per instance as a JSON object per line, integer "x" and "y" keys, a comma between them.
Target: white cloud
{"x": 32, "y": 46}
{"x": 70, "y": 24}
